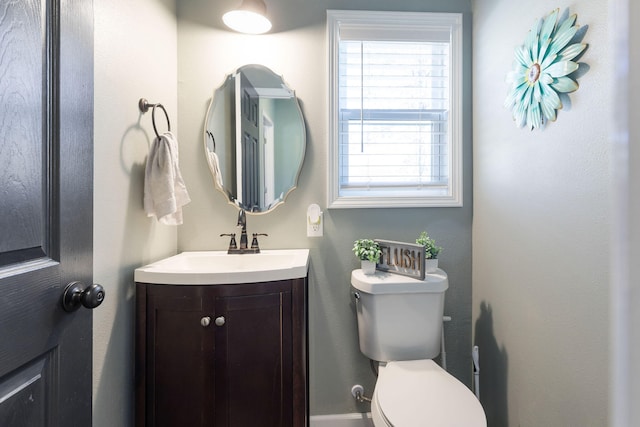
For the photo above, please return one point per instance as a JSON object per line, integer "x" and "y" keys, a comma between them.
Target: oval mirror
{"x": 255, "y": 139}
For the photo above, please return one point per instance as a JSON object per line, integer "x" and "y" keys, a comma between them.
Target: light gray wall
{"x": 296, "y": 49}
{"x": 541, "y": 230}
{"x": 135, "y": 57}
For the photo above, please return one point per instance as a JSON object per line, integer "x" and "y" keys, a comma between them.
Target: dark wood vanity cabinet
{"x": 222, "y": 355}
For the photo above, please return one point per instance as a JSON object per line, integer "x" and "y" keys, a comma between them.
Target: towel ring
{"x": 210, "y": 135}
{"x": 144, "y": 106}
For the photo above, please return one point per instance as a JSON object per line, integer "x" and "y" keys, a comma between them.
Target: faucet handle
{"x": 254, "y": 242}
{"x": 232, "y": 242}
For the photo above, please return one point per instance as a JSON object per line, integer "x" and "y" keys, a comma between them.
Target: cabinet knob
{"x": 220, "y": 321}
{"x": 205, "y": 321}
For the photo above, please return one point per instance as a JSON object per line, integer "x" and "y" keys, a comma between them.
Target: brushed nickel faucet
{"x": 242, "y": 222}
{"x": 243, "y": 248}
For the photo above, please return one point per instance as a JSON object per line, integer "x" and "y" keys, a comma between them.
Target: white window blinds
{"x": 392, "y": 111}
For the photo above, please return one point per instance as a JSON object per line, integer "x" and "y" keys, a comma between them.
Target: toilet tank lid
{"x": 390, "y": 283}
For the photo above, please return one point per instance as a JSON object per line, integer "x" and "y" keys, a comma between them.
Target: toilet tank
{"x": 399, "y": 318}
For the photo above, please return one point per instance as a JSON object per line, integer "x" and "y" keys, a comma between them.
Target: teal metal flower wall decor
{"x": 541, "y": 71}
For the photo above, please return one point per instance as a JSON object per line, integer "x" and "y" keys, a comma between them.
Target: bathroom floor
{"x": 344, "y": 420}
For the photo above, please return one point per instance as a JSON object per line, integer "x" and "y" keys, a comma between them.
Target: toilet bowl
{"x": 419, "y": 393}
{"x": 400, "y": 326}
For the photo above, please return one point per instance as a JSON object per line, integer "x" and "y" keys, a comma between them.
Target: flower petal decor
{"x": 541, "y": 71}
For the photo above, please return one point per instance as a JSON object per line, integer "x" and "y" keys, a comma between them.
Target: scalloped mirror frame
{"x": 275, "y": 138}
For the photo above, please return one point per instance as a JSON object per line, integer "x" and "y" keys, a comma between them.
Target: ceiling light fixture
{"x": 249, "y": 18}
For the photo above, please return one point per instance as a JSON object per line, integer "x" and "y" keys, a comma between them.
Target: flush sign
{"x": 406, "y": 259}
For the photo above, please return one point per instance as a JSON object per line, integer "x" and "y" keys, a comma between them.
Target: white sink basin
{"x": 218, "y": 267}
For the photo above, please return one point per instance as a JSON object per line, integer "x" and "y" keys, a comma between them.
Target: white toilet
{"x": 400, "y": 326}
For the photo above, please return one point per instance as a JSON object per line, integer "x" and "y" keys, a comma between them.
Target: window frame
{"x": 400, "y": 21}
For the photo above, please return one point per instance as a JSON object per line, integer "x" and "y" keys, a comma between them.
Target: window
{"x": 395, "y": 109}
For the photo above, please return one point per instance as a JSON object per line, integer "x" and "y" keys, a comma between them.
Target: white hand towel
{"x": 164, "y": 191}
{"x": 214, "y": 165}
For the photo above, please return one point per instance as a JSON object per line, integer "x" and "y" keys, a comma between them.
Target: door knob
{"x": 76, "y": 294}
{"x": 219, "y": 321}
{"x": 205, "y": 321}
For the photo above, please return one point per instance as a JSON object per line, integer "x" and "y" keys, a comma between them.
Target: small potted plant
{"x": 431, "y": 251}
{"x": 368, "y": 252}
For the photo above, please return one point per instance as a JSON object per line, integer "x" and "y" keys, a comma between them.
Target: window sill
{"x": 359, "y": 202}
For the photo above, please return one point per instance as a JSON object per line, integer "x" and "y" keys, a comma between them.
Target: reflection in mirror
{"x": 255, "y": 139}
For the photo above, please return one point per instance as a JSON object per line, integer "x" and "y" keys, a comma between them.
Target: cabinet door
{"x": 254, "y": 384}
{"x": 179, "y": 372}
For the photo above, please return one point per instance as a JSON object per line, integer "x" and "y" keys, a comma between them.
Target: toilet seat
{"x": 419, "y": 393}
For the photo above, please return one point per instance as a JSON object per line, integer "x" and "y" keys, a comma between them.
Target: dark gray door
{"x": 46, "y": 174}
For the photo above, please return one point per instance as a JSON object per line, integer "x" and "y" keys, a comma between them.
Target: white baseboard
{"x": 342, "y": 420}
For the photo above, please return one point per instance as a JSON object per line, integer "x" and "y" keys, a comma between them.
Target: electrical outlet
{"x": 314, "y": 221}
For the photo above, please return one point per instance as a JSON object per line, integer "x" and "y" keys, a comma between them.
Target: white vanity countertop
{"x": 218, "y": 267}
